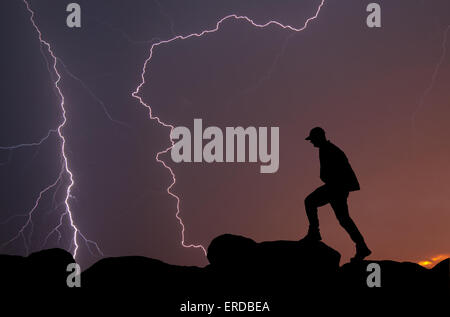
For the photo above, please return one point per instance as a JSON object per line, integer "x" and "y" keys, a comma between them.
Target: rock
{"x": 230, "y": 250}
{"x": 45, "y": 269}
{"x": 442, "y": 273}
{"x": 263, "y": 267}
{"x": 290, "y": 275}
{"x": 137, "y": 272}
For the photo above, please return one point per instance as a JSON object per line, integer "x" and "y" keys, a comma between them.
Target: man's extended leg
{"x": 340, "y": 207}
{"x": 317, "y": 198}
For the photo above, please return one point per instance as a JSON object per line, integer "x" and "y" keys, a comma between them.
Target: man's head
{"x": 317, "y": 137}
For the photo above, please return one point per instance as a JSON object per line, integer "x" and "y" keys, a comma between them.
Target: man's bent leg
{"x": 340, "y": 207}
{"x": 317, "y": 198}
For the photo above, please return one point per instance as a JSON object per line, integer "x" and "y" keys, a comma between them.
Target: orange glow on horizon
{"x": 429, "y": 263}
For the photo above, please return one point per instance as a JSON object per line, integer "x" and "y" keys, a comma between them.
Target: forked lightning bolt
{"x": 65, "y": 163}
{"x": 171, "y": 127}
{"x": 65, "y": 170}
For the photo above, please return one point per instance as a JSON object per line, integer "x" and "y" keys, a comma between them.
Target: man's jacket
{"x": 335, "y": 170}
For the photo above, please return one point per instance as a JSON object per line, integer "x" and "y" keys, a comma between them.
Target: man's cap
{"x": 315, "y": 133}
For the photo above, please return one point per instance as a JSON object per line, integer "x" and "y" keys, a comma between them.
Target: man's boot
{"x": 313, "y": 235}
{"x": 362, "y": 251}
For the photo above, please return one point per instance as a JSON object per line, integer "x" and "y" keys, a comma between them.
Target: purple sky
{"x": 381, "y": 94}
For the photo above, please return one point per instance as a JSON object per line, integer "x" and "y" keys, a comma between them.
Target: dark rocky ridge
{"x": 287, "y": 274}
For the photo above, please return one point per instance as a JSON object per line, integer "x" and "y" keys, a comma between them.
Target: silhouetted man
{"x": 339, "y": 179}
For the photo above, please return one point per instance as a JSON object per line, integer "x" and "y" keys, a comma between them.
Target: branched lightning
{"x": 434, "y": 76}
{"x": 164, "y": 14}
{"x": 29, "y": 222}
{"x": 93, "y": 95}
{"x": 65, "y": 170}
{"x": 23, "y": 145}
{"x": 53, "y": 63}
{"x": 136, "y": 95}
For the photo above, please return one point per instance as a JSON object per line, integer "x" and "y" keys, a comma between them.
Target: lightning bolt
{"x": 164, "y": 14}
{"x": 18, "y": 146}
{"x": 65, "y": 170}
{"x": 136, "y": 95}
{"x": 434, "y": 76}
{"x": 93, "y": 95}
